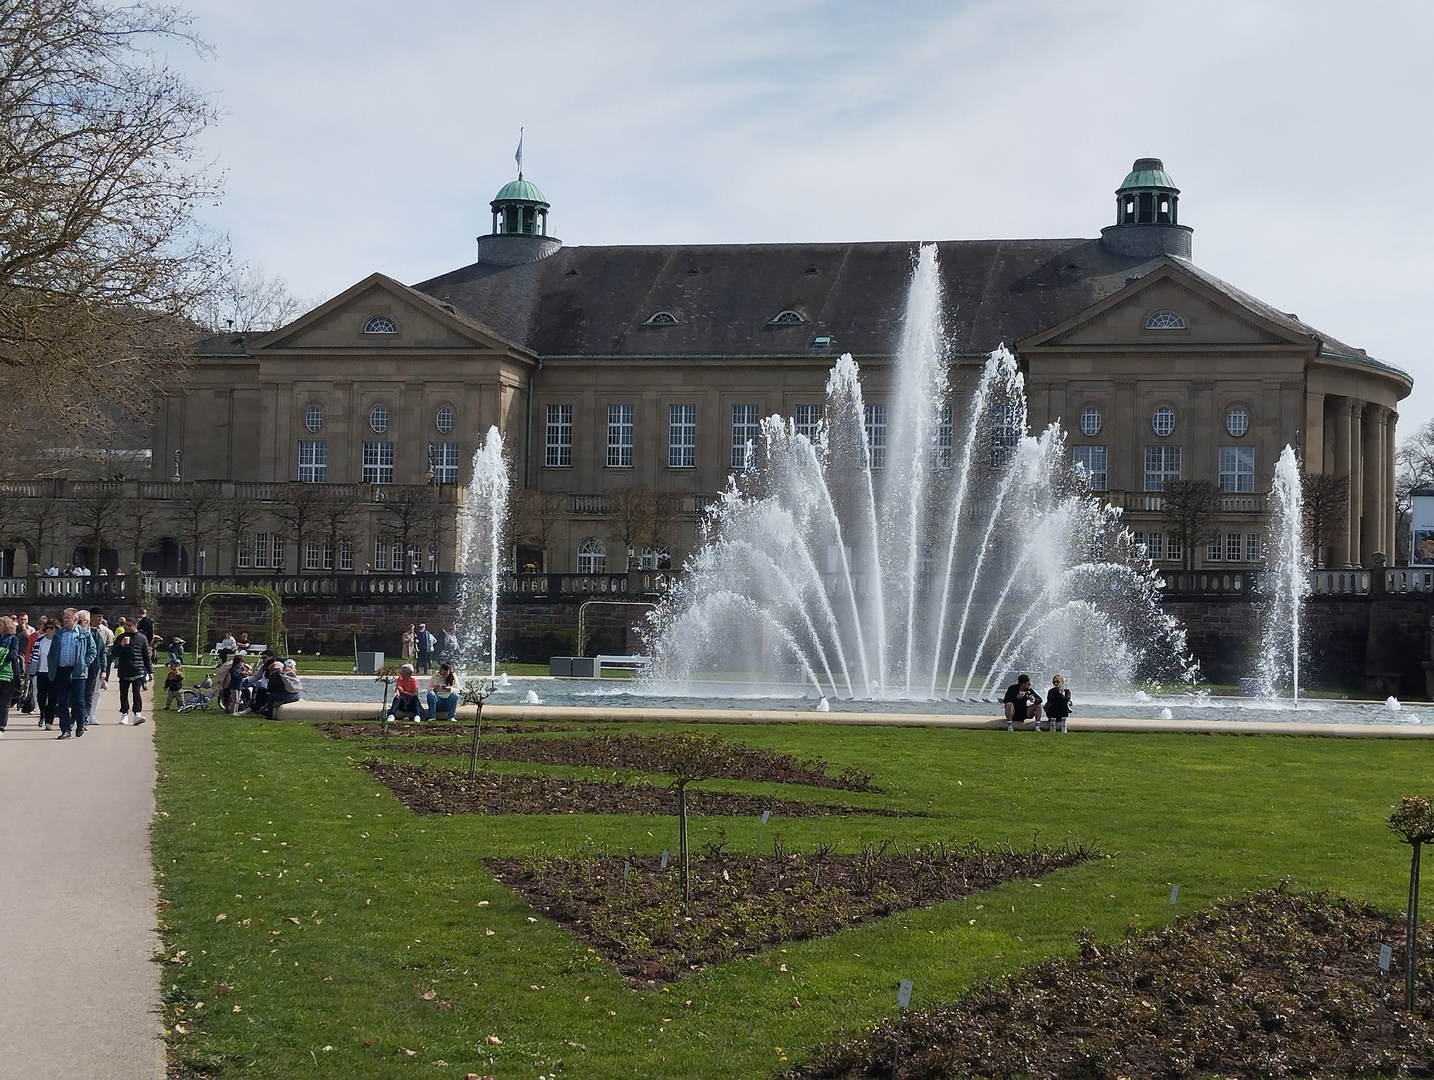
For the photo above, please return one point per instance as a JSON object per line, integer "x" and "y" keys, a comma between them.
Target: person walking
{"x": 425, "y": 642}
{"x": 12, "y": 669}
{"x": 131, "y": 661}
{"x": 409, "y": 649}
{"x": 39, "y": 669}
{"x": 71, "y": 654}
{"x": 98, "y": 674}
{"x": 1058, "y": 703}
{"x": 26, "y": 636}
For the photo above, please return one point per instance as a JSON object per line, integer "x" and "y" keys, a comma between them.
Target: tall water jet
{"x": 482, "y": 532}
{"x": 1286, "y": 582}
{"x": 933, "y": 563}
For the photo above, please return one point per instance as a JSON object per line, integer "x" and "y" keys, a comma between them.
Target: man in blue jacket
{"x": 72, "y": 654}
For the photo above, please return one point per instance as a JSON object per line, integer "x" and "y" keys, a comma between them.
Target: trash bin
{"x": 370, "y": 663}
{"x": 585, "y": 667}
{"x": 560, "y": 665}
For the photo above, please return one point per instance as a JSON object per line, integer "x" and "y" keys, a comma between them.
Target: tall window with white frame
{"x": 681, "y": 436}
{"x": 377, "y": 463}
{"x": 312, "y": 554}
{"x": 943, "y": 439}
{"x": 807, "y": 419}
{"x": 744, "y": 434}
{"x": 313, "y": 461}
{"x": 1005, "y": 432}
{"x": 875, "y": 418}
{"x": 346, "y": 554}
{"x": 558, "y": 442}
{"x": 443, "y": 461}
{"x": 1162, "y": 466}
{"x": 1091, "y": 461}
{"x": 619, "y": 436}
{"x": 1237, "y": 468}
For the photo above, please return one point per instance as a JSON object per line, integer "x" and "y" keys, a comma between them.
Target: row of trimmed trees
{"x": 1193, "y": 509}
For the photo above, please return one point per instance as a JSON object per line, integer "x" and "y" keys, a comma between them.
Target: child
{"x": 176, "y": 650}
{"x": 173, "y": 684}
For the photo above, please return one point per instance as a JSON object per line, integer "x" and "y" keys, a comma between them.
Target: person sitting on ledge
{"x": 405, "y": 703}
{"x": 1022, "y": 703}
{"x": 441, "y": 696}
{"x": 284, "y": 685}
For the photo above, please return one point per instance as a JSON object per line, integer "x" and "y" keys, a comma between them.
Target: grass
{"x": 264, "y": 823}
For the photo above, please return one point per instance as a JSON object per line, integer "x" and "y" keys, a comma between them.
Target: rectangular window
{"x": 1091, "y": 461}
{"x": 1139, "y": 540}
{"x": 378, "y": 463}
{"x": 1213, "y": 552}
{"x": 1162, "y": 466}
{"x": 261, "y": 551}
{"x": 380, "y": 553}
{"x": 558, "y": 452}
{"x": 1232, "y": 547}
{"x": 311, "y": 555}
{"x": 681, "y": 436}
{"x": 807, "y": 420}
{"x": 1155, "y": 545}
{"x": 941, "y": 447}
{"x": 1237, "y": 468}
{"x": 313, "y": 461}
{"x": 1253, "y": 543}
{"x": 1174, "y": 551}
{"x": 1007, "y": 422}
{"x": 744, "y": 431}
{"x": 246, "y": 555}
{"x": 395, "y": 556}
{"x": 875, "y": 416}
{"x": 443, "y": 460}
{"x": 328, "y": 556}
{"x": 619, "y": 436}
{"x": 346, "y": 555}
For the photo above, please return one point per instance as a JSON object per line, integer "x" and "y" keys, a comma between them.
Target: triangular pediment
{"x": 381, "y": 314}
{"x": 1173, "y": 305}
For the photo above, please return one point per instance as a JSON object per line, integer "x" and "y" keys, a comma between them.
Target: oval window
{"x": 313, "y": 418}
{"x": 1237, "y": 421}
{"x": 444, "y": 420}
{"x": 378, "y": 418}
{"x": 1090, "y": 421}
{"x": 1162, "y": 421}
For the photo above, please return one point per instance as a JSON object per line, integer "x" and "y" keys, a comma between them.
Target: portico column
{"x": 1340, "y": 556}
{"x": 1375, "y": 496}
{"x": 1391, "y": 519}
{"x": 1356, "y": 483}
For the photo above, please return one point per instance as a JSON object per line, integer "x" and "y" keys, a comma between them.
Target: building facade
{"x": 627, "y": 380}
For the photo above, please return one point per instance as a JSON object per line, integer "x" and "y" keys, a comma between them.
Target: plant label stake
{"x": 1174, "y": 893}
{"x": 626, "y": 867}
{"x": 664, "y": 859}
{"x": 756, "y": 848}
{"x": 903, "y": 1000}
{"x": 1386, "y": 954}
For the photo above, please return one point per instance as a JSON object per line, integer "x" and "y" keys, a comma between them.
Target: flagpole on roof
{"x": 518, "y": 157}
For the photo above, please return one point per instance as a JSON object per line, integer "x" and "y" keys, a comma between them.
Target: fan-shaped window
{"x": 313, "y": 418}
{"x": 662, "y": 318}
{"x": 378, "y": 418}
{"x": 1237, "y": 421}
{"x": 444, "y": 420}
{"x": 786, "y": 318}
{"x": 1090, "y": 421}
{"x": 1165, "y": 319}
{"x": 1162, "y": 421}
{"x": 380, "y": 324}
{"x": 592, "y": 556}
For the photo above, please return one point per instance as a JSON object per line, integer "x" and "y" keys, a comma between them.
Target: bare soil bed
{"x": 1275, "y": 984}
{"x": 640, "y": 753}
{"x": 426, "y": 789}
{"x": 629, "y": 909}
{"x": 424, "y": 733}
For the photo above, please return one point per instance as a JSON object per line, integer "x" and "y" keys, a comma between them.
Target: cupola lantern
{"x": 1147, "y": 208}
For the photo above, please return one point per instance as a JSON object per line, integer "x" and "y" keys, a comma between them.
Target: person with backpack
{"x": 12, "y": 670}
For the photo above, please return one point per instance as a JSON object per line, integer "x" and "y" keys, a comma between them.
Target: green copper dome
{"x": 1148, "y": 172}
{"x": 520, "y": 191}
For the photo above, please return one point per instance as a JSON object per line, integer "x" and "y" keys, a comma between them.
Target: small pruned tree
{"x": 235, "y": 516}
{"x": 299, "y": 512}
{"x": 1413, "y": 820}
{"x": 195, "y": 508}
{"x": 1192, "y": 514}
{"x": 1325, "y": 497}
{"x": 406, "y": 510}
{"x": 631, "y": 511}
{"x": 536, "y": 515}
{"x": 687, "y": 757}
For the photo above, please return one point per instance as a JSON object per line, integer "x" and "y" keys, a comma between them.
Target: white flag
{"x": 518, "y": 157}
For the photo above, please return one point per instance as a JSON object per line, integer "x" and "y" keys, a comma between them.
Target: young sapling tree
{"x": 1413, "y": 820}
{"x": 687, "y": 757}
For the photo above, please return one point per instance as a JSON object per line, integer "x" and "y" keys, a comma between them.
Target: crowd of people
{"x": 419, "y": 646}
{"x": 257, "y": 688}
{"x": 55, "y": 669}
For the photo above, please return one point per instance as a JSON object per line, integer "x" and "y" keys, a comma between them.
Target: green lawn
{"x": 264, "y": 823}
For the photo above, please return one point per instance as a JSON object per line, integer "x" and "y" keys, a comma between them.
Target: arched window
{"x": 786, "y": 318}
{"x": 1237, "y": 421}
{"x": 1162, "y": 421}
{"x": 380, "y": 324}
{"x": 313, "y": 418}
{"x": 656, "y": 559}
{"x": 378, "y": 418}
{"x": 1165, "y": 319}
{"x": 444, "y": 420}
{"x": 592, "y": 556}
{"x": 662, "y": 318}
{"x": 1090, "y": 421}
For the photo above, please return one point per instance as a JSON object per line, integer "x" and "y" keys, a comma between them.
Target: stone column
{"x": 1343, "y": 547}
{"x": 1357, "y": 552}
{"x": 1375, "y": 496}
{"x": 1391, "y": 523}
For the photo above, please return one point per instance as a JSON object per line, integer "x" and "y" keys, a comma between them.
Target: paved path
{"x": 79, "y": 994}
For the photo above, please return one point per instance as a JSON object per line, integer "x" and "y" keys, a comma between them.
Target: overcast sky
{"x": 369, "y": 135}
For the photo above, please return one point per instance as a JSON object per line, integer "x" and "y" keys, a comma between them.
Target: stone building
{"x": 626, "y": 381}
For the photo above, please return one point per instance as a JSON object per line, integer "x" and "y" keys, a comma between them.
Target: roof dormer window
{"x": 786, "y": 318}
{"x": 380, "y": 324}
{"x": 662, "y": 318}
{"x": 1165, "y": 319}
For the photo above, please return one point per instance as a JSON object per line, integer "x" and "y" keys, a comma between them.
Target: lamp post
{"x": 435, "y": 478}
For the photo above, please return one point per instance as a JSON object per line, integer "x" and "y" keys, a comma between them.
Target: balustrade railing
{"x": 1353, "y": 582}
{"x": 1153, "y": 502}
{"x": 1403, "y": 580}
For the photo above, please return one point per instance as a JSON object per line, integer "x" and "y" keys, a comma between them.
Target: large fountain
{"x": 934, "y": 564}
{"x": 1286, "y": 583}
{"x": 482, "y": 543}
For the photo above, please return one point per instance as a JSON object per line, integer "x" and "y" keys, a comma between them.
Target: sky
{"x": 367, "y": 135}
